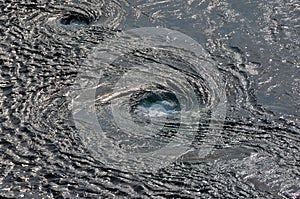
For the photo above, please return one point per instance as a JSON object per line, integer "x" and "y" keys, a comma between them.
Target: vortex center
{"x": 162, "y": 104}
{"x": 75, "y": 20}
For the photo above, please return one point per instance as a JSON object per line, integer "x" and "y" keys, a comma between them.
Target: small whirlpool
{"x": 143, "y": 97}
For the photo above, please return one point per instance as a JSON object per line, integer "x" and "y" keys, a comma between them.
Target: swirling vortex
{"x": 104, "y": 89}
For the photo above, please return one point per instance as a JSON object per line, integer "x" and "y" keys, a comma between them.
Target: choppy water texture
{"x": 149, "y": 99}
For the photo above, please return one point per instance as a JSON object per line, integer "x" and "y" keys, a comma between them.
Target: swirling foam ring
{"x": 85, "y": 115}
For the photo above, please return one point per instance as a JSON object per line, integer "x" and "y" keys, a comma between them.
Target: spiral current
{"x": 140, "y": 109}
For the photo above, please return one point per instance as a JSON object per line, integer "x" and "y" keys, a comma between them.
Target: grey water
{"x": 149, "y": 99}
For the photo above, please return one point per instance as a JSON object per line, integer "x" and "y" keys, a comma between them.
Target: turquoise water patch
{"x": 157, "y": 105}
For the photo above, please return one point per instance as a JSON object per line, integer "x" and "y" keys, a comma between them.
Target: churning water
{"x": 149, "y": 99}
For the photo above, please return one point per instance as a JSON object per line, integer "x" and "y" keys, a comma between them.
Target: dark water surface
{"x": 149, "y": 99}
